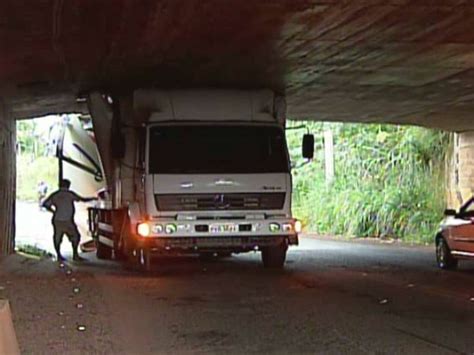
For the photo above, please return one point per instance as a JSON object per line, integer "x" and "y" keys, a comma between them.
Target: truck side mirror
{"x": 308, "y": 146}
{"x": 450, "y": 212}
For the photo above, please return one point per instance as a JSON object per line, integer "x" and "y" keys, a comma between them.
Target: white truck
{"x": 193, "y": 171}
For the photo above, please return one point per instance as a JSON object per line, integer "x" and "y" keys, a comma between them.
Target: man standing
{"x": 63, "y": 217}
{"x": 42, "y": 191}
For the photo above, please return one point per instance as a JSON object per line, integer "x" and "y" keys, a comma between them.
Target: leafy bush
{"x": 389, "y": 181}
{"x": 30, "y": 171}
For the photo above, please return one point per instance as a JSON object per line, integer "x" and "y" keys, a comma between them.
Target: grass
{"x": 33, "y": 251}
{"x": 389, "y": 183}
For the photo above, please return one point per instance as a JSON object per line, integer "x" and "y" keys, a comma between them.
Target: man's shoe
{"x": 61, "y": 258}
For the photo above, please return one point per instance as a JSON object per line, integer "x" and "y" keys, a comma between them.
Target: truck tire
{"x": 274, "y": 257}
{"x": 131, "y": 255}
{"x": 120, "y": 253}
{"x": 127, "y": 251}
{"x": 146, "y": 260}
{"x": 104, "y": 252}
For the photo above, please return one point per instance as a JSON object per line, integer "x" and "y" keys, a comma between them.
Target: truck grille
{"x": 212, "y": 202}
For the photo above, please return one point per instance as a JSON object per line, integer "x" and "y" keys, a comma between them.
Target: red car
{"x": 455, "y": 240}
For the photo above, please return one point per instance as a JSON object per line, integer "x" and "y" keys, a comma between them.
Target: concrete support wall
{"x": 461, "y": 170}
{"x": 7, "y": 180}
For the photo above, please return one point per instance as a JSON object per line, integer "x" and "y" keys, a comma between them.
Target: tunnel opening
{"x": 43, "y": 158}
{"x": 383, "y": 181}
{"x": 373, "y": 180}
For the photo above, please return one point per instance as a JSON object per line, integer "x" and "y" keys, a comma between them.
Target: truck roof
{"x": 210, "y": 105}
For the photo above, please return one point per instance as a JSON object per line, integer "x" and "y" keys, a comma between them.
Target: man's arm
{"x": 48, "y": 203}
{"x": 84, "y": 199}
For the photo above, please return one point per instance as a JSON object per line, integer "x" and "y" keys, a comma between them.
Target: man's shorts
{"x": 66, "y": 227}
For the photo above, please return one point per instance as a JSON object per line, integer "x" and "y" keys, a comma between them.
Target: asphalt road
{"x": 333, "y": 297}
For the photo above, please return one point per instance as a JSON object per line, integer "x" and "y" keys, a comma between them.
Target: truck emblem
{"x": 220, "y": 202}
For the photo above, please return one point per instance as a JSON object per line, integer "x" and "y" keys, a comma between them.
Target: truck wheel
{"x": 146, "y": 259}
{"x": 131, "y": 255}
{"x": 119, "y": 254}
{"x": 274, "y": 256}
{"x": 104, "y": 252}
{"x": 443, "y": 255}
{"x": 119, "y": 249}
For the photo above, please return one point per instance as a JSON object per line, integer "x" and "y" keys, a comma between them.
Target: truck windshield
{"x": 217, "y": 149}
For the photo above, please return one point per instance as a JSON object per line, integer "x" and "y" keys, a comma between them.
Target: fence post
{"x": 329, "y": 155}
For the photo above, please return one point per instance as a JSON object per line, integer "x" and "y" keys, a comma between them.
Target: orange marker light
{"x": 298, "y": 226}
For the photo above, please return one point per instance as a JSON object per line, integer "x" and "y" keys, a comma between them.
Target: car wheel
{"x": 443, "y": 255}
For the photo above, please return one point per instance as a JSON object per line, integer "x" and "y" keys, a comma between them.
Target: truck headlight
{"x": 143, "y": 229}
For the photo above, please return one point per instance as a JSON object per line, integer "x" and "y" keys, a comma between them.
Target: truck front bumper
{"x": 202, "y": 244}
{"x": 202, "y": 235}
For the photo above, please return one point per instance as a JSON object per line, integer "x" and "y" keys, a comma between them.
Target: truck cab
{"x": 209, "y": 175}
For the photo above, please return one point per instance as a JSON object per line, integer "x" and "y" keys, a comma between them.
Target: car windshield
{"x": 231, "y": 149}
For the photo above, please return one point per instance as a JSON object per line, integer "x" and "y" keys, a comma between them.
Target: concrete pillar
{"x": 8, "y": 341}
{"x": 461, "y": 169}
{"x": 7, "y": 180}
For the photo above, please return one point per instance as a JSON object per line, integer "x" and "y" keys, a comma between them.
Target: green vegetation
{"x": 34, "y": 251}
{"x": 33, "y": 163}
{"x": 30, "y": 171}
{"x": 389, "y": 181}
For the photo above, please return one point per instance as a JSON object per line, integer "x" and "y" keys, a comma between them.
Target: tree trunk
{"x": 7, "y": 181}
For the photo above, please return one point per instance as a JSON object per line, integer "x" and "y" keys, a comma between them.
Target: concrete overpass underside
{"x": 394, "y": 61}
{"x": 398, "y": 61}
